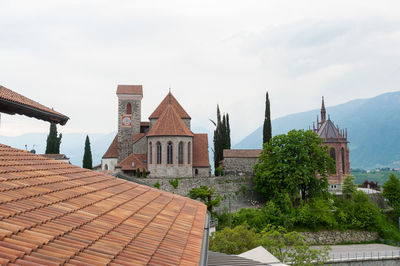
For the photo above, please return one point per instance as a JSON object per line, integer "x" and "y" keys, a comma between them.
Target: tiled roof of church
{"x": 169, "y": 100}
{"x": 53, "y": 213}
{"x": 241, "y": 153}
{"x": 12, "y": 102}
{"x": 200, "y": 151}
{"x": 112, "y": 151}
{"x": 169, "y": 124}
{"x": 138, "y": 161}
{"x": 130, "y": 89}
{"x": 328, "y": 130}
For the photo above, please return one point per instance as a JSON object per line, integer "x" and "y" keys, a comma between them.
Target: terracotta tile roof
{"x": 130, "y": 89}
{"x": 169, "y": 99}
{"x": 138, "y": 136}
{"x": 169, "y": 124}
{"x": 200, "y": 151}
{"x": 112, "y": 151}
{"x": 55, "y": 156}
{"x": 144, "y": 124}
{"x": 241, "y": 153}
{"x": 12, "y": 102}
{"x": 138, "y": 161}
{"x": 52, "y": 213}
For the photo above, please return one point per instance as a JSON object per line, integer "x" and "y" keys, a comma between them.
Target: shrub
{"x": 144, "y": 173}
{"x": 219, "y": 171}
{"x": 157, "y": 185}
{"x": 234, "y": 241}
{"x": 138, "y": 172}
{"x": 174, "y": 183}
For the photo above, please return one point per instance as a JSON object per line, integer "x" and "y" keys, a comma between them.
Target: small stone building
{"x": 240, "y": 162}
{"x": 336, "y": 139}
{"x": 164, "y": 146}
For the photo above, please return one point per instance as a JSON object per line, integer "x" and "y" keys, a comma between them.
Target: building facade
{"x": 336, "y": 139}
{"x": 164, "y": 146}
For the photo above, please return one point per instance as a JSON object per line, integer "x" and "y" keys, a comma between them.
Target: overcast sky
{"x": 71, "y": 55}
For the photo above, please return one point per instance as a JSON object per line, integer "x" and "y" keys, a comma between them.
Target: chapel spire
{"x": 323, "y": 111}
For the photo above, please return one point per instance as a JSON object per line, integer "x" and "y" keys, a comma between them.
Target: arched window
{"x": 343, "y": 163}
{"x": 180, "y": 153}
{"x": 158, "y": 152}
{"x": 169, "y": 153}
{"x": 188, "y": 153}
{"x": 128, "y": 109}
{"x": 332, "y": 153}
{"x": 150, "y": 153}
{"x": 106, "y": 167}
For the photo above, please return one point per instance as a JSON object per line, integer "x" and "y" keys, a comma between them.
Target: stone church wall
{"x": 140, "y": 146}
{"x": 239, "y": 166}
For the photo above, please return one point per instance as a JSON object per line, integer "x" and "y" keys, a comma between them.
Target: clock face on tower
{"x": 126, "y": 120}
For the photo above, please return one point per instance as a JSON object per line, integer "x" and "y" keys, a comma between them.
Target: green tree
{"x": 234, "y": 241}
{"x": 267, "y": 129}
{"x": 292, "y": 163}
{"x": 290, "y": 247}
{"x": 349, "y": 187}
{"x": 53, "y": 141}
{"x": 206, "y": 195}
{"x": 87, "y": 156}
{"x": 222, "y": 139}
{"x": 138, "y": 173}
{"x": 391, "y": 190}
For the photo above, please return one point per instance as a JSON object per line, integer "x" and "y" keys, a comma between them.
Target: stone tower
{"x": 129, "y": 109}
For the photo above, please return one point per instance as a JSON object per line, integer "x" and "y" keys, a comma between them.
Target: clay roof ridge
{"x": 169, "y": 99}
{"x": 169, "y": 124}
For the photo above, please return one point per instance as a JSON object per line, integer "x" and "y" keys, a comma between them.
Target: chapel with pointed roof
{"x": 336, "y": 139}
{"x": 164, "y": 146}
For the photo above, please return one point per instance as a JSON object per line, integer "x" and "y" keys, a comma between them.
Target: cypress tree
{"x": 53, "y": 141}
{"x": 267, "y": 130}
{"x": 222, "y": 139}
{"x": 87, "y": 156}
{"x": 228, "y": 133}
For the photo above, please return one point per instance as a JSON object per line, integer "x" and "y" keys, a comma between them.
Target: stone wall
{"x": 337, "y": 237}
{"x": 238, "y": 166}
{"x": 238, "y": 190}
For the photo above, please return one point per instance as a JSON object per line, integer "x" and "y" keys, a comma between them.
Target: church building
{"x": 164, "y": 146}
{"x": 337, "y": 141}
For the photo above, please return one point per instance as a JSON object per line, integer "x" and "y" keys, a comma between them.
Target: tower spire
{"x": 323, "y": 111}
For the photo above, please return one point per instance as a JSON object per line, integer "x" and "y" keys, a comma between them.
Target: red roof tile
{"x": 200, "y": 151}
{"x": 169, "y": 124}
{"x": 242, "y": 153}
{"x": 138, "y": 161}
{"x": 112, "y": 151}
{"x": 130, "y": 89}
{"x": 54, "y": 213}
{"x": 12, "y": 102}
{"x": 169, "y": 100}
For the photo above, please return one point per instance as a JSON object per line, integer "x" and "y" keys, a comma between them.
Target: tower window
{"x": 151, "y": 153}
{"x": 169, "y": 153}
{"x": 188, "y": 153}
{"x": 158, "y": 152}
{"x": 180, "y": 153}
{"x": 332, "y": 153}
{"x": 128, "y": 109}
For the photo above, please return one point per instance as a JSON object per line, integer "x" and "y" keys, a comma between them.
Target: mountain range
{"x": 373, "y": 127}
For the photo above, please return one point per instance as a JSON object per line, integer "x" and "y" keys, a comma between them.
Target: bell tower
{"x": 129, "y": 110}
